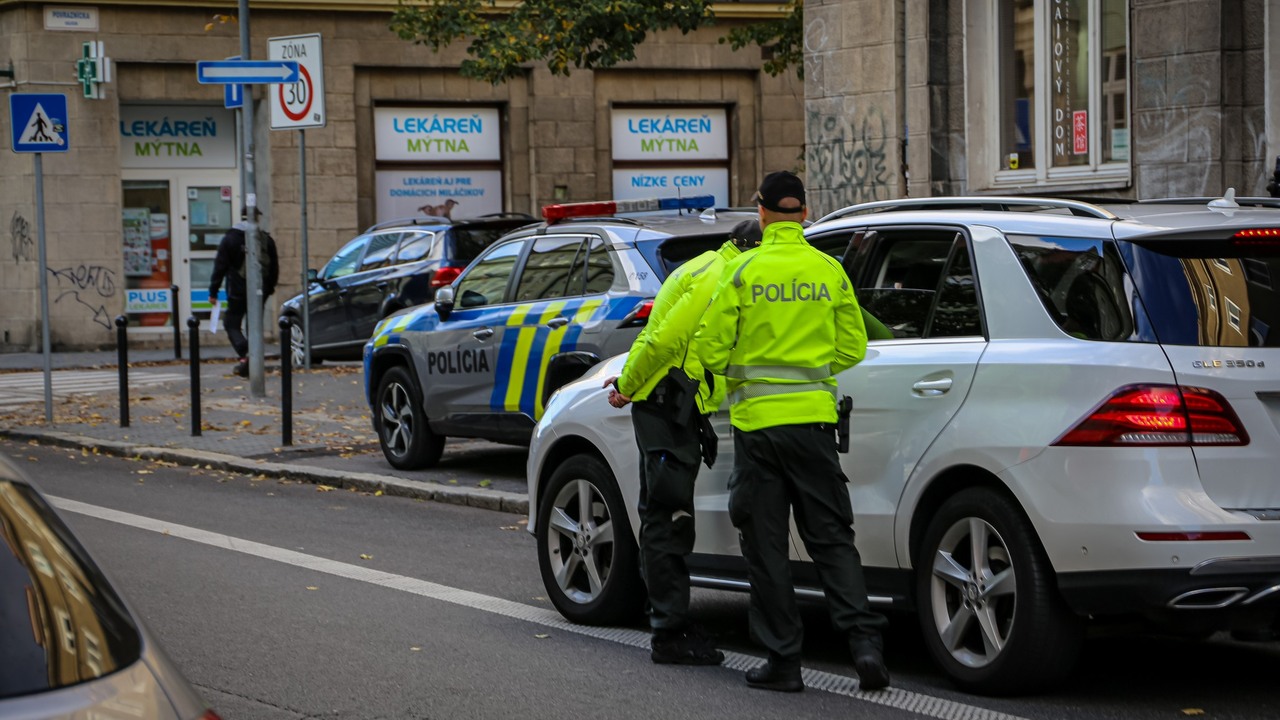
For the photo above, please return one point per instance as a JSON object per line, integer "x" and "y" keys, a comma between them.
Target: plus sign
{"x": 87, "y": 73}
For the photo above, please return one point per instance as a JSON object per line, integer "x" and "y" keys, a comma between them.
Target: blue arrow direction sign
{"x": 39, "y": 123}
{"x": 246, "y": 72}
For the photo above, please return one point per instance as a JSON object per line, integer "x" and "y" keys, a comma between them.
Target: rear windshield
{"x": 1211, "y": 293}
{"x": 469, "y": 242}
{"x": 60, "y": 622}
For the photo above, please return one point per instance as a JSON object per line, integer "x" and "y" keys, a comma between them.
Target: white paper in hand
{"x": 215, "y": 314}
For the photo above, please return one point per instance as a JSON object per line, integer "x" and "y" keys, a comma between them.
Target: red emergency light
{"x": 554, "y": 213}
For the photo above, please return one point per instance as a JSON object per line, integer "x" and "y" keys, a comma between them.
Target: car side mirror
{"x": 313, "y": 275}
{"x": 444, "y": 302}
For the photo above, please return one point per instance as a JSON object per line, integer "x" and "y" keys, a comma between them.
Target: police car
{"x": 1077, "y": 422}
{"x": 537, "y": 309}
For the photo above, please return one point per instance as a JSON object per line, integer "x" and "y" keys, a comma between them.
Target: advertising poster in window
{"x": 450, "y": 194}
{"x": 437, "y": 134}
{"x": 668, "y": 182}
{"x": 147, "y": 267}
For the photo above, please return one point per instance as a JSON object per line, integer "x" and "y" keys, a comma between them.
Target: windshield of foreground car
{"x": 60, "y": 622}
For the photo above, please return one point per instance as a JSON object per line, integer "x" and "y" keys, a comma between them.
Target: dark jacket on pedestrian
{"x": 230, "y": 264}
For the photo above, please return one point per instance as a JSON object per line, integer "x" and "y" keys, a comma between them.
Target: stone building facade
{"x": 1098, "y": 98}
{"x": 152, "y": 176}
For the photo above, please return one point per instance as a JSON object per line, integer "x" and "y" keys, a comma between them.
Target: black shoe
{"x": 872, "y": 674}
{"x": 241, "y": 368}
{"x": 687, "y": 646}
{"x": 776, "y": 675}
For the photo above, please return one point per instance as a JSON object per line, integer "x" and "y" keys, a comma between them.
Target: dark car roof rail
{"x": 1265, "y": 202}
{"x": 973, "y": 202}
{"x": 441, "y": 220}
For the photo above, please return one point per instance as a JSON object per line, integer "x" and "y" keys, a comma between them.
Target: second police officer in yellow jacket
{"x": 671, "y": 398}
{"x": 783, "y": 324}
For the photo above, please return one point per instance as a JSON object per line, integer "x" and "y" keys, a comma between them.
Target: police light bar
{"x": 552, "y": 213}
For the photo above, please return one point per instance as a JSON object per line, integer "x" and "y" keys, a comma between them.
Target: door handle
{"x": 483, "y": 333}
{"x": 931, "y": 388}
{"x": 558, "y": 321}
{"x": 382, "y": 285}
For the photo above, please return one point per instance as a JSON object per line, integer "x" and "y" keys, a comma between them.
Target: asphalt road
{"x": 279, "y": 600}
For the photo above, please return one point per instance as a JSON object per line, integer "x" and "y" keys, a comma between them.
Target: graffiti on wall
{"x": 845, "y": 159}
{"x": 20, "y": 242}
{"x": 95, "y": 281}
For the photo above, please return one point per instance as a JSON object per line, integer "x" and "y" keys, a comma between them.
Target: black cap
{"x": 778, "y": 187}
{"x": 746, "y": 234}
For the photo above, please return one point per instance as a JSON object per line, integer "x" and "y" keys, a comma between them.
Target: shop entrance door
{"x": 172, "y": 225}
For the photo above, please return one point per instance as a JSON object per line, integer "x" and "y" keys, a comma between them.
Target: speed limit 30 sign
{"x": 300, "y": 104}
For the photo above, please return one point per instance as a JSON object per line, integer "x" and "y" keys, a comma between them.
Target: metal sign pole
{"x": 306, "y": 284}
{"x": 253, "y": 281}
{"x": 44, "y": 294}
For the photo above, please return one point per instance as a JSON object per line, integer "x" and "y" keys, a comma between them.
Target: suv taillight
{"x": 638, "y": 316}
{"x": 445, "y": 276}
{"x": 1147, "y": 415}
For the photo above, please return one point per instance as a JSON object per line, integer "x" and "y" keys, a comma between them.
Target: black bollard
{"x": 193, "y": 333}
{"x": 286, "y": 384}
{"x": 122, "y": 362}
{"x": 177, "y": 329}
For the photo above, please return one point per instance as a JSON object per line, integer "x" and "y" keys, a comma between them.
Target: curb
{"x": 497, "y": 500}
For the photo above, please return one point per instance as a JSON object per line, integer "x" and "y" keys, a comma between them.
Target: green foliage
{"x": 569, "y": 34}
{"x": 781, "y": 39}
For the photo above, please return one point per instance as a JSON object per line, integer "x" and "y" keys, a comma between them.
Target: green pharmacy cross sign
{"x": 92, "y": 69}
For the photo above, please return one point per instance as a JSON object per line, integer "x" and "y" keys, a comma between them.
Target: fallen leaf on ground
{"x": 324, "y": 488}
{"x": 542, "y": 636}
{"x": 415, "y": 649}
{"x": 377, "y": 493}
{"x": 485, "y": 483}
{"x": 1192, "y": 711}
{"x": 365, "y": 557}
{"x": 312, "y": 587}
{"x": 144, "y": 472}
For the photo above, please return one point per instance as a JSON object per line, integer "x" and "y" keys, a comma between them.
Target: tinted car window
{"x": 60, "y": 622}
{"x": 486, "y": 283}
{"x": 344, "y": 261}
{"x": 381, "y": 249}
{"x": 414, "y": 246}
{"x": 554, "y": 269}
{"x": 1081, "y": 283}
{"x": 1208, "y": 293}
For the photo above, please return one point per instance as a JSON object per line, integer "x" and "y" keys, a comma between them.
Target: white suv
{"x": 1077, "y": 421}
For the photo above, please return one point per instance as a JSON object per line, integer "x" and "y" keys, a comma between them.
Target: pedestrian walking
{"x": 784, "y": 321}
{"x": 231, "y": 263}
{"x": 670, "y": 398}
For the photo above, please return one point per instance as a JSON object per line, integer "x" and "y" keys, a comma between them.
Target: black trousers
{"x": 669, "y": 458}
{"x": 233, "y": 321}
{"x": 796, "y": 468}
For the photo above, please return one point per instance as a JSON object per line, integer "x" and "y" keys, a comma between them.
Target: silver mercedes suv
{"x": 1076, "y": 422}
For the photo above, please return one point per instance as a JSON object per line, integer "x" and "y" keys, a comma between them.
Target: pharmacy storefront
{"x": 181, "y": 185}
{"x": 438, "y": 161}
{"x": 671, "y": 152}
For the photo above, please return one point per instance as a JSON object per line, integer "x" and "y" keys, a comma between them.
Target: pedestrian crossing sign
{"x": 39, "y": 122}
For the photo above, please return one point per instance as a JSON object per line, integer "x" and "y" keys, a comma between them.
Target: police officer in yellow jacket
{"x": 783, "y": 323}
{"x": 668, "y": 414}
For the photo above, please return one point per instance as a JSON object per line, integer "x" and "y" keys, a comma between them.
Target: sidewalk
{"x": 333, "y": 439}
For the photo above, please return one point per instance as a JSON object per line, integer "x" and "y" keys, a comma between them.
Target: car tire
{"x": 590, "y": 566}
{"x": 403, "y": 432}
{"x": 1008, "y": 637}
{"x": 297, "y": 346}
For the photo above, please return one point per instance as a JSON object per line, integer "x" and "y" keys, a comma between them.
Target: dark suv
{"x": 389, "y": 267}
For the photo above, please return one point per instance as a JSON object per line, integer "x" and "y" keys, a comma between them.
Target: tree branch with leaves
{"x": 576, "y": 34}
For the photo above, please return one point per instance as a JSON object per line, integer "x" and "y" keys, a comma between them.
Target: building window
{"x": 1056, "y": 72}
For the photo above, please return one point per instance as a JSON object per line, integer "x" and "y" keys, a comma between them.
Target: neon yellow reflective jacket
{"x": 783, "y": 322}
{"x": 664, "y": 342}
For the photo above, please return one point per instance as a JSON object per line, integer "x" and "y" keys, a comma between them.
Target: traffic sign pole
{"x": 44, "y": 294}
{"x": 306, "y": 284}
{"x": 253, "y": 281}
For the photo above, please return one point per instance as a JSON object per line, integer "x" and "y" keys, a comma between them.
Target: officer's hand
{"x": 617, "y": 399}
{"x": 610, "y": 381}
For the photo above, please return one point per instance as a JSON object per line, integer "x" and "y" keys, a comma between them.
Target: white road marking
{"x": 27, "y": 387}
{"x": 919, "y": 703}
